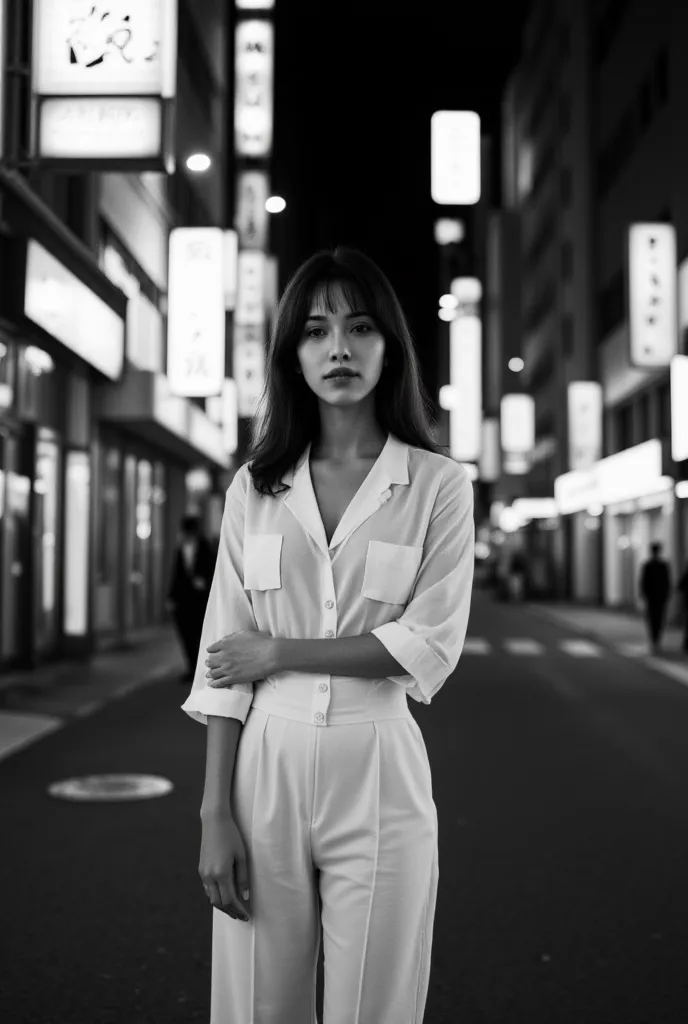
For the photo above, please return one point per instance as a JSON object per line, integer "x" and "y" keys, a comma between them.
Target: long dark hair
{"x": 288, "y": 416}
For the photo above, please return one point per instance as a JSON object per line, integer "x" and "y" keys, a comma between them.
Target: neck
{"x": 346, "y": 443}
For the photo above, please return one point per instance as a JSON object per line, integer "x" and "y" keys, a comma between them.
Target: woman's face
{"x": 348, "y": 337}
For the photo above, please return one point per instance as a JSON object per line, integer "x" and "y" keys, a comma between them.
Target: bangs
{"x": 330, "y": 289}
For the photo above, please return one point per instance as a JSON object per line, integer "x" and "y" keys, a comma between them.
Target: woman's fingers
{"x": 230, "y": 902}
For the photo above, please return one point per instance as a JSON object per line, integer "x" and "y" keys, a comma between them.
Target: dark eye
{"x": 366, "y": 326}
{"x": 309, "y": 332}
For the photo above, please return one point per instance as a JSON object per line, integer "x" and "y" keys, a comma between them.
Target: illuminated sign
{"x": 254, "y": 66}
{"x": 585, "y": 400}
{"x": 625, "y": 476}
{"x": 196, "y": 312}
{"x": 517, "y": 424}
{"x": 679, "y": 408}
{"x": 251, "y": 219}
{"x": 231, "y": 268}
{"x": 455, "y": 157}
{"x": 490, "y": 454}
{"x": 465, "y": 372}
{"x": 248, "y": 366}
{"x": 56, "y": 300}
{"x": 104, "y": 76}
{"x": 250, "y": 308}
{"x": 653, "y": 317}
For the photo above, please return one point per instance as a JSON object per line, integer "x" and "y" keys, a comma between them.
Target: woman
{"x": 335, "y": 597}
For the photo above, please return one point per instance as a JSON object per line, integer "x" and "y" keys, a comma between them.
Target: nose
{"x": 338, "y": 346}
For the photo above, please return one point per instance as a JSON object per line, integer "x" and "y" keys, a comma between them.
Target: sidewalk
{"x": 625, "y": 632}
{"x": 35, "y": 703}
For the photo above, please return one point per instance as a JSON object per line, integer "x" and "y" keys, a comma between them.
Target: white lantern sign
{"x": 455, "y": 157}
{"x": 585, "y": 399}
{"x": 196, "y": 312}
{"x": 653, "y": 314}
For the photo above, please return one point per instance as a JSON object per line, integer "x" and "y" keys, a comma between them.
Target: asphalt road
{"x": 560, "y": 774}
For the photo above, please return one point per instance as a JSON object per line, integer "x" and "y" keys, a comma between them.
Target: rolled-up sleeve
{"x": 229, "y": 610}
{"x": 429, "y": 637}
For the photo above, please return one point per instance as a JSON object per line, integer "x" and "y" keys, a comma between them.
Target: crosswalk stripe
{"x": 476, "y": 645}
{"x": 523, "y": 645}
{"x": 581, "y": 648}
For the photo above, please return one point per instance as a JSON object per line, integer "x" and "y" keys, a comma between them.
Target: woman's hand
{"x": 222, "y": 867}
{"x": 242, "y": 657}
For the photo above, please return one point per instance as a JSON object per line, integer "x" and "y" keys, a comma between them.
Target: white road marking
{"x": 633, "y": 650}
{"x": 523, "y": 645}
{"x": 476, "y": 645}
{"x": 581, "y": 648}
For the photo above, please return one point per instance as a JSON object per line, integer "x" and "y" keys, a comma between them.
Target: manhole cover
{"x": 111, "y": 787}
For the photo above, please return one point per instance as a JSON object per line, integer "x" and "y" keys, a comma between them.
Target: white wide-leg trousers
{"x": 345, "y": 811}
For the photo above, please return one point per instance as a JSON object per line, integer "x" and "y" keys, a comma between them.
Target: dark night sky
{"x": 355, "y": 87}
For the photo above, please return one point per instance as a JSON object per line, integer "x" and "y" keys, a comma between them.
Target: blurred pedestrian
{"x": 682, "y": 587}
{"x": 187, "y": 597}
{"x": 655, "y": 587}
{"x": 518, "y": 573}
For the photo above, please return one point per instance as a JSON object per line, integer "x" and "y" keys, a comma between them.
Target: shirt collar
{"x": 391, "y": 467}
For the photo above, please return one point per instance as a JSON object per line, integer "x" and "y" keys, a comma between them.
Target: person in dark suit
{"x": 187, "y": 596}
{"x": 655, "y": 587}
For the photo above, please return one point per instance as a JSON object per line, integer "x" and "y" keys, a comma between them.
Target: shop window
{"x": 46, "y": 498}
{"x": 108, "y": 540}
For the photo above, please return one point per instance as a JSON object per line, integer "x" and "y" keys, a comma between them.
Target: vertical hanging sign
{"x": 652, "y": 298}
{"x": 196, "y": 312}
{"x": 254, "y": 40}
{"x": 585, "y": 424}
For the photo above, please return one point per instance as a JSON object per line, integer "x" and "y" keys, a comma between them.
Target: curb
{"x": 669, "y": 669}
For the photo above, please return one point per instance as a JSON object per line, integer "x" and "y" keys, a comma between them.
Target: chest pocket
{"x": 262, "y": 552}
{"x": 390, "y": 571}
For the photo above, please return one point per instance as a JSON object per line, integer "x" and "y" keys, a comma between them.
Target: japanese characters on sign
{"x": 196, "y": 312}
{"x": 653, "y": 320}
{"x": 253, "y": 103}
{"x": 104, "y": 75}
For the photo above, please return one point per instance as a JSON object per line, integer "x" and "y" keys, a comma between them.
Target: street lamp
{"x": 198, "y": 162}
{"x": 275, "y": 204}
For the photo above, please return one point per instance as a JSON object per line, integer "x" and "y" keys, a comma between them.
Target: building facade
{"x": 590, "y": 147}
{"x": 95, "y": 453}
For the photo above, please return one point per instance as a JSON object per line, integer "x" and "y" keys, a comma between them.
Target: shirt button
{"x": 329, "y": 633}
{"x": 329, "y": 604}
{"x": 319, "y": 716}
{"x": 323, "y": 687}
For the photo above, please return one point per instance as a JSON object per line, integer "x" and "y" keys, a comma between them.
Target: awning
{"x": 142, "y": 402}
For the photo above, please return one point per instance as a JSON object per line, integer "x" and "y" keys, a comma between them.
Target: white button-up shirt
{"x": 399, "y": 565}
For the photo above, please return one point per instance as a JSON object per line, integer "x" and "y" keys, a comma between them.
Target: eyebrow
{"x": 315, "y": 316}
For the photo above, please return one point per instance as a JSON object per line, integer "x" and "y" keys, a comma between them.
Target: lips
{"x": 340, "y": 373}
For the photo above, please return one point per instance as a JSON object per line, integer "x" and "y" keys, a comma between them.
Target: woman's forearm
{"x": 222, "y": 741}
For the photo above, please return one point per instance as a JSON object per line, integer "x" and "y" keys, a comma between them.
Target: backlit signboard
{"x": 253, "y": 103}
{"x": 196, "y": 312}
{"x": 652, "y": 277}
{"x": 104, "y": 80}
{"x": 455, "y": 157}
